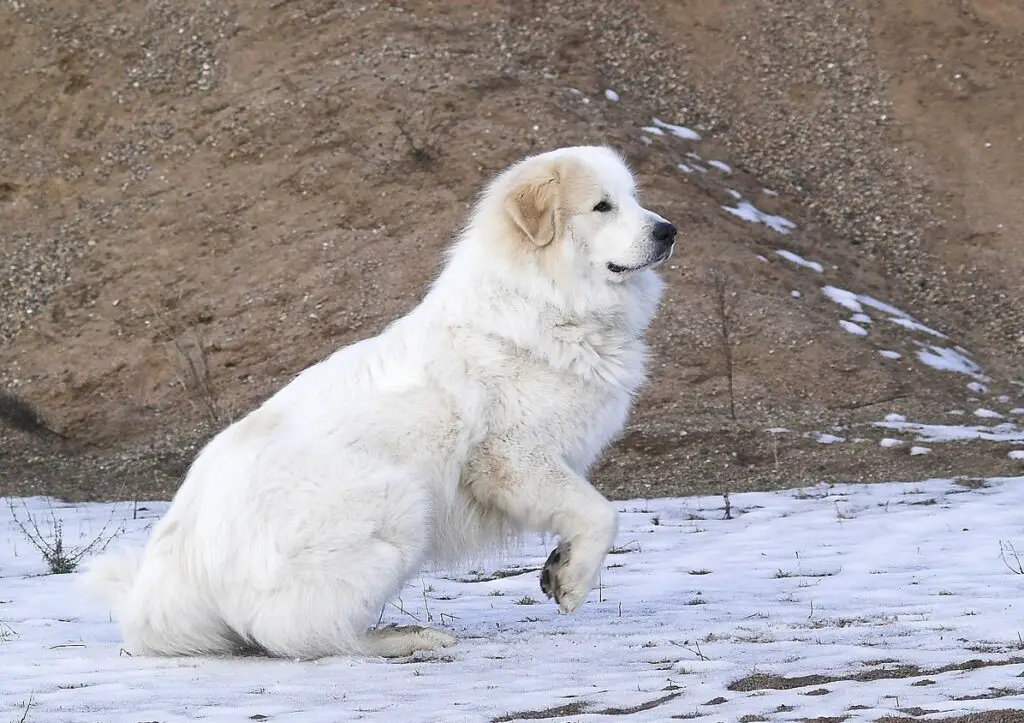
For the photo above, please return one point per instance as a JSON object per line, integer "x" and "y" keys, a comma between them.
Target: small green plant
{"x": 61, "y": 558}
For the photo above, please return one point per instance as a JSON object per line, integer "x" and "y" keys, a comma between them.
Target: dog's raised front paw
{"x": 553, "y": 573}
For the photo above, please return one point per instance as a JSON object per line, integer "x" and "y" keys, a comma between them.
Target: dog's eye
{"x": 603, "y": 207}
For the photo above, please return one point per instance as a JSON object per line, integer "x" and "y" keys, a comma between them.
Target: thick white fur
{"x": 473, "y": 418}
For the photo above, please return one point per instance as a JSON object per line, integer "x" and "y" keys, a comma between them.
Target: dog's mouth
{"x": 659, "y": 259}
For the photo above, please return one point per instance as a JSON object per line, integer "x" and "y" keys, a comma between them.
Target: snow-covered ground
{"x": 886, "y": 597}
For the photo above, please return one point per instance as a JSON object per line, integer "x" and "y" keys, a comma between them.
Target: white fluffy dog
{"x": 473, "y": 418}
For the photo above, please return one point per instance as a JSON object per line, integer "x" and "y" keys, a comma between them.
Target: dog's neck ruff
{"x": 594, "y": 328}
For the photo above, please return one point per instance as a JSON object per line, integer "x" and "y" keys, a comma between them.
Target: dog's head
{"x": 579, "y": 205}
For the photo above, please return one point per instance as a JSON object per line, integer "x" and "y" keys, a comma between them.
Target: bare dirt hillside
{"x": 198, "y": 199}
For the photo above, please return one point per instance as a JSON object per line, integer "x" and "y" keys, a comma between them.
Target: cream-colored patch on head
{"x": 543, "y": 194}
{"x": 576, "y": 208}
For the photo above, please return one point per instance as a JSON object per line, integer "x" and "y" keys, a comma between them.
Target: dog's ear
{"x": 533, "y": 204}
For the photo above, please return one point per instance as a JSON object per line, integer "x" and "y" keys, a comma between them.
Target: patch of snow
{"x": 800, "y": 260}
{"x": 762, "y": 258}
{"x": 684, "y": 168}
{"x": 1005, "y": 432}
{"x": 749, "y": 212}
{"x": 833, "y": 579}
{"x": 824, "y": 438}
{"x": 724, "y": 167}
{"x": 956, "y": 412}
{"x": 1017, "y": 410}
{"x": 977, "y": 387}
{"x": 890, "y": 354}
{"x": 882, "y": 306}
{"x": 861, "y": 318}
{"x": 694, "y": 156}
{"x": 846, "y": 299}
{"x": 698, "y": 167}
{"x": 735, "y": 194}
{"x": 678, "y": 131}
{"x": 776, "y": 430}
{"x": 653, "y": 130}
{"x": 893, "y": 417}
{"x": 987, "y": 414}
{"x": 611, "y": 95}
{"x": 908, "y": 323}
{"x": 889, "y": 442}
{"x": 795, "y": 294}
{"x": 856, "y": 303}
{"x": 1016, "y": 454}
{"x": 770, "y": 192}
{"x": 948, "y": 360}
{"x": 918, "y": 451}
{"x": 853, "y": 328}
{"x": 1003, "y": 398}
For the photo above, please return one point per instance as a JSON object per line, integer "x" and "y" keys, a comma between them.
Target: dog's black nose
{"x": 664, "y": 233}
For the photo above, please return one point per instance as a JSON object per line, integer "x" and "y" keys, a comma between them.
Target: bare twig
{"x": 724, "y": 315}
{"x": 28, "y": 707}
{"x": 196, "y": 378}
{"x": 194, "y": 372}
{"x": 447, "y": 615}
{"x": 695, "y": 649}
{"x": 401, "y": 608}
{"x": 1008, "y": 554}
{"x": 426, "y": 604}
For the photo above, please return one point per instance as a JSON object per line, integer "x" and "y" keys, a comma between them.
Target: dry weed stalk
{"x": 724, "y": 310}
{"x": 59, "y": 557}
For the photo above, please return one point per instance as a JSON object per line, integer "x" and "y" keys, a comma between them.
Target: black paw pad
{"x": 548, "y": 583}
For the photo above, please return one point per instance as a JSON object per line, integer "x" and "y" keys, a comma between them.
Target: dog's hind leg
{"x": 168, "y": 613}
{"x": 329, "y": 590}
{"x": 326, "y": 611}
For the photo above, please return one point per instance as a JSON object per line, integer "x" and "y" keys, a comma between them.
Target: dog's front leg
{"x": 536, "y": 490}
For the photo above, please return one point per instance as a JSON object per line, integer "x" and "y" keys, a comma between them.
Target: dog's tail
{"x": 111, "y": 577}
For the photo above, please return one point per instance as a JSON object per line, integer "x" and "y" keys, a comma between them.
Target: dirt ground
{"x": 198, "y": 199}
